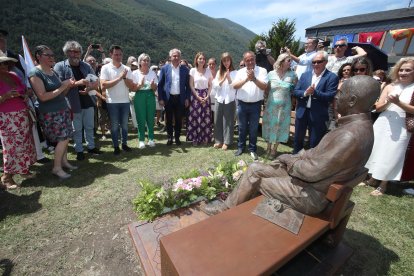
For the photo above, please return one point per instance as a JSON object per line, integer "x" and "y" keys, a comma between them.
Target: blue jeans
{"x": 118, "y": 114}
{"x": 248, "y": 115}
{"x": 83, "y": 120}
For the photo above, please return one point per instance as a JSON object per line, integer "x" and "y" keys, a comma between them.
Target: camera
{"x": 283, "y": 50}
{"x": 96, "y": 46}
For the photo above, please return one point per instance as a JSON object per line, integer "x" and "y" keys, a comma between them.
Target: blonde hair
{"x": 396, "y": 68}
{"x": 279, "y": 60}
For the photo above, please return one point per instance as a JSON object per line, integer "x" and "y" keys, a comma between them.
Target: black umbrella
{"x": 378, "y": 58}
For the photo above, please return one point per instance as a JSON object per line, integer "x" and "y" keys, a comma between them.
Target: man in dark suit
{"x": 174, "y": 93}
{"x": 314, "y": 91}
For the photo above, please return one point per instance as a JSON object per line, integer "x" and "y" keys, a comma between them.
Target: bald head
{"x": 358, "y": 94}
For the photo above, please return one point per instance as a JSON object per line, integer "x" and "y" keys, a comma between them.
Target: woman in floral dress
{"x": 276, "y": 117}
{"x": 15, "y": 132}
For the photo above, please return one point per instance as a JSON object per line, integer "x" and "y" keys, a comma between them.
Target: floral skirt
{"x": 57, "y": 126}
{"x": 17, "y": 141}
{"x": 200, "y": 124}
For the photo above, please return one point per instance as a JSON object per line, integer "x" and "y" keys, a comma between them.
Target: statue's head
{"x": 357, "y": 95}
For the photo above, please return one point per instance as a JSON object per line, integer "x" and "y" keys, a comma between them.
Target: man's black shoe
{"x": 126, "y": 148}
{"x": 169, "y": 142}
{"x": 117, "y": 151}
{"x": 94, "y": 151}
{"x": 44, "y": 160}
{"x": 177, "y": 142}
{"x": 238, "y": 152}
{"x": 80, "y": 156}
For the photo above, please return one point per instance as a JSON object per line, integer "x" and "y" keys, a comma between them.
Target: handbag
{"x": 409, "y": 118}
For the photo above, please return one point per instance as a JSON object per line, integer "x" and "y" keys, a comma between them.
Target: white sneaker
{"x": 141, "y": 145}
{"x": 151, "y": 143}
{"x": 254, "y": 156}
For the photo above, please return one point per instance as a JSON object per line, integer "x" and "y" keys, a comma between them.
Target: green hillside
{"x": 151, "y": 26}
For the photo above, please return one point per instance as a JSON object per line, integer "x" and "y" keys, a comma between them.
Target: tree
{"x": 280, "y": 35}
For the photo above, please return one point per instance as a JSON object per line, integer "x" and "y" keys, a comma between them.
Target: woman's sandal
{"x": 378, "y": 192}
{"x": 217, "y": 145}
{"x": 61, "y": 174}
{"x": 9, "y": 184}
{"x": 224, "y": 147}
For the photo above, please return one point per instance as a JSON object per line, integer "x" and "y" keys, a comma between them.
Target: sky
{"x": 258, "y": 15}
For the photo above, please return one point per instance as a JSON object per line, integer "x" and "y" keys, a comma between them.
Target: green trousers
{"x": 144, "y": 104}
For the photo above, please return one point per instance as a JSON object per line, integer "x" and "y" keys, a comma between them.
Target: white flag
{"x": 28, "y": 63}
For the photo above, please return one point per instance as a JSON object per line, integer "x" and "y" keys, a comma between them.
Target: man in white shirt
{"x": 116, "y": 79}
{"x": 336, "y": 60}
{"x": 174, "y": 94}
{"x": 304, "y": 61}
{"x": 251, "y": 82}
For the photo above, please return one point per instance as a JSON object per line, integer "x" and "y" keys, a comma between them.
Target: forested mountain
{"x": 150, "y": 26}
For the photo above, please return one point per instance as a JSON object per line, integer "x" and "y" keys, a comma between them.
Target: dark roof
{"x": 369, "y": 22}
{"x": 368, "y": 18}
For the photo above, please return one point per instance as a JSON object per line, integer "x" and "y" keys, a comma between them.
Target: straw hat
{"x": 4, "y": 58}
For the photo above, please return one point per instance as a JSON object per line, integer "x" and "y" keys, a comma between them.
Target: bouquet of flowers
{"x": 154, "y": 200}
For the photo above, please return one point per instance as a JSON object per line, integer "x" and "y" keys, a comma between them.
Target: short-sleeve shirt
{"x": 201, "y": 80}
{"x": 51, "y": 83}
{"x": 118, "y": 93}
{"x": 305, "y": 63}
{"x": 335, "y": 63}
{"x": 137, "y": 78}
{"x": 250, "y": 92}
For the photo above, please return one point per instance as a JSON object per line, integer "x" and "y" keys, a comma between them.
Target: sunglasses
{"x": 362, "y": 70}
{"x": 339, "y": 45}
{"x": 317, "y": 62}
{"x": 287, "y": 60}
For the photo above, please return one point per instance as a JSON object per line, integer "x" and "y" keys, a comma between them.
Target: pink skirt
{"x": 17, "y": 141}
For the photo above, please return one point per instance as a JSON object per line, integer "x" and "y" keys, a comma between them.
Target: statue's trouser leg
{"x": 276, "y": 183}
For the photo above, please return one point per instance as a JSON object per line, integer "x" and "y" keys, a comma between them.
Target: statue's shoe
{"x": 214, "y": 207}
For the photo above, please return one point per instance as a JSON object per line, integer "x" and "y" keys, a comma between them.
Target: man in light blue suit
{"x": 174, "y": 93}
{"x": 314, "y": 91}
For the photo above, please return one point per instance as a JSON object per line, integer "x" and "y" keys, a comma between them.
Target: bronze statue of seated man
{"x": 301, "y": 181}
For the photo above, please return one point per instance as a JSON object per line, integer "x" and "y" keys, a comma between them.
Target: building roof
{"x": 369, "y": 22}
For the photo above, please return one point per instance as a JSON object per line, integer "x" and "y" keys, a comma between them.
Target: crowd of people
{"x": 68, "y": 97}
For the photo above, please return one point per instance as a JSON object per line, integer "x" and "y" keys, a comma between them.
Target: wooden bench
{"x": 236, "y": 242}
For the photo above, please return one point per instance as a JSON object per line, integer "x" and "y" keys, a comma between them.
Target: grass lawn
{"x": 79, "y": 226}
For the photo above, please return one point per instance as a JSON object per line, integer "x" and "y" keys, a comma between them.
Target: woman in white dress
{"x": 390, "y": 134}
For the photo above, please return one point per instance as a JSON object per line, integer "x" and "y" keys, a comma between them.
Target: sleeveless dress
{"x": 390, "y": 139}
{"x": 276, "y": 116}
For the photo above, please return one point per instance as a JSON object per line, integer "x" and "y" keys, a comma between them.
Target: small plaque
{"x": 280, "y": 214}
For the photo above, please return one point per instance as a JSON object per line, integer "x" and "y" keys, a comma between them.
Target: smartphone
{"x": 95, "y": 46}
